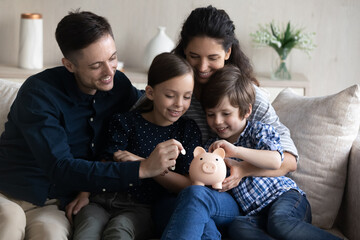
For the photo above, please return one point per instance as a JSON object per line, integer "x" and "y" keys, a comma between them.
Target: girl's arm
{"x": 173, "y": 181}
{"x": 176, "y": 181}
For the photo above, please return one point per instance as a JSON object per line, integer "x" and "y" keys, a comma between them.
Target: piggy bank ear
{"x": 220, "y": 152}
{"x": 198, "y": 151}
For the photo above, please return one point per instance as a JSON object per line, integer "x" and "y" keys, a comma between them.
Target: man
{"x": 55, "y": 131}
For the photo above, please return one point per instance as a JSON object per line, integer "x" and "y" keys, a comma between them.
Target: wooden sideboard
{"x": 299, "y": 83}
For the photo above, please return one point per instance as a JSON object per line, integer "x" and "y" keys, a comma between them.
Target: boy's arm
{"x": 238, "y": 170}
{"x": 261, "y": 158}
{"x": 266, "y": 159}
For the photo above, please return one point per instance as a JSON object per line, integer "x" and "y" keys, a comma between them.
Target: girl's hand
{"x": 124, "y": 156}
{"x": 230, "y": 149}
{"x": 236, "y": 174}
{"x": 74, "y": 207}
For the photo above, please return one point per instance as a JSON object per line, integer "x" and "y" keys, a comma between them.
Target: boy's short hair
{"x": 79, "y": 29}
{"x": 228, "y": 82}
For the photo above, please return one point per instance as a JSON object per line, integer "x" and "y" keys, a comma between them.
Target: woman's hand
{"x": 124, "y": 156}
{"x": 236, "y": 174}
{"x": 81, "y": 200}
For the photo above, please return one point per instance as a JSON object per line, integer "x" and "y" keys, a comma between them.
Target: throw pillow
{"x": 323, "y": 130}
{"x": 8, "y": 92}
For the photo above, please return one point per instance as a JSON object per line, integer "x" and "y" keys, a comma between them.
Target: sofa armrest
{"x": 348, "y": 220}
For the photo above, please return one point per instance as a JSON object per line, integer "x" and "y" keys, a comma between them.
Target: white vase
{"x": 31, "y": 41}
{"x": 159, "y": 44}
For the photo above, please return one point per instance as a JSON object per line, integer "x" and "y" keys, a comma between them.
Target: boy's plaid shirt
{"x": 255, "y": 193}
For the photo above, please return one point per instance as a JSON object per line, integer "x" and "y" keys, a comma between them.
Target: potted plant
{"x": 283, "y": 40}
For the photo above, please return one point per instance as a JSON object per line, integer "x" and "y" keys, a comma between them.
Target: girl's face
{"x": 225, "y": 120}
{"x": 205, "y": 55}
{"x": 94, "y": 68}
{"x": 171, "y": 99}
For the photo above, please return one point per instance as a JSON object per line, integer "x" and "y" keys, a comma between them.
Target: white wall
{"x": 333, "y": 66}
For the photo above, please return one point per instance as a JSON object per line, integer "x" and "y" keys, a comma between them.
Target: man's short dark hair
{"x": 78, "y": 30}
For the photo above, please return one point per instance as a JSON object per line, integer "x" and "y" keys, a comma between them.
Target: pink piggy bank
{"x": 208, "y": 168}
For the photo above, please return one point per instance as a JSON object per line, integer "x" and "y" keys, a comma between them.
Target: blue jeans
{"x": 199, "y": 211}
{"x": 288, "y": 217}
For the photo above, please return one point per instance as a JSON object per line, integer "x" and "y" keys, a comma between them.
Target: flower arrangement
{"x": 283, "y": 40}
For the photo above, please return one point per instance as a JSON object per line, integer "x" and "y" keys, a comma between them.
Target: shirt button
{"x": 104, "y": 190}
{"x": 130, "y": 184}
{"x": 92, "y": 144}
{"x": 91, "y": 119}
{"x": 94, "y": 101}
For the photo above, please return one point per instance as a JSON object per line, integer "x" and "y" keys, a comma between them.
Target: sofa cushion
{"x": 8, "y": 91}
{"x": 323, "y": 130}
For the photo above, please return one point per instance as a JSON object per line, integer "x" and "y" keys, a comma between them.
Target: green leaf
{"x": 287, "y": 34}
{"x": 273, "y": 31}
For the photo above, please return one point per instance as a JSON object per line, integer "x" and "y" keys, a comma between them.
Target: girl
{"x": 133, "y": 136}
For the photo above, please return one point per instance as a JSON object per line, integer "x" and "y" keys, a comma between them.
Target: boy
{"x": 276, "y": 204}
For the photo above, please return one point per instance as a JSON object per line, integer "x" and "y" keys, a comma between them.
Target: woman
{"x": 208, "y": 42}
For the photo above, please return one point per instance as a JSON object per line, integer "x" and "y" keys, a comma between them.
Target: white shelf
{"x": 299, "y": 83}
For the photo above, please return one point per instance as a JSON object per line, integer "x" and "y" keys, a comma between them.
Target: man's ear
{"x": 68, "y": 65}
{"x": 149, "y": 91}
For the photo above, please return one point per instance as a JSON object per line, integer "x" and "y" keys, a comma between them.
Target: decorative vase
{"x": 281, "y": 71}
{"x": 31, "y": 41}
{"x": 159, "y": 44}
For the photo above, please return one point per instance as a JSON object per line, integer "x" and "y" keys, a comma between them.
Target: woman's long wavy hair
{"x": 215, "y": 23}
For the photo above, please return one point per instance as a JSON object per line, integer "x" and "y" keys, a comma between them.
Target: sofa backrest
{"x": 8, "y": 92}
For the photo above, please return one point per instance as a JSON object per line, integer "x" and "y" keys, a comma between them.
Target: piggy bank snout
{"x": 209, "y": 167}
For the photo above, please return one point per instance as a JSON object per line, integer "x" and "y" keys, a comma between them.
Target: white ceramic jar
{"x": 31, "y": 41}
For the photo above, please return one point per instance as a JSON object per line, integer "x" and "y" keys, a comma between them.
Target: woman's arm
{"x": 264, "y": 112}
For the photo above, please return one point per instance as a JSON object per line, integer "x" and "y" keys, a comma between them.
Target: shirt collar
{"x": 74, "y": 92}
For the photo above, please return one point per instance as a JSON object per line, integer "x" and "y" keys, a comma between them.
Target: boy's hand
{"x": 236, "y": 174}
{"x": 81, "y": 200}
{"x": 230, "y": 149}
{"x": 124, "y": 156}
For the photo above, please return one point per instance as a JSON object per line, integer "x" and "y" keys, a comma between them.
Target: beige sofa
{"x": 326, "y": 132}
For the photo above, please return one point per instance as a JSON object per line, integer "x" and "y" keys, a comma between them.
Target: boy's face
{"x": 225, "y": 121}
{"x": 94, "y": 66}
{"x": 171, "y": 99}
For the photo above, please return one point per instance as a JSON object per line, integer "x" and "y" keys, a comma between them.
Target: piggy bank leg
{"x": 217, "y": 185}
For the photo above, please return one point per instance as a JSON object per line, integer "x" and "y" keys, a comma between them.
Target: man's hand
{"x": 74, "y": 207}
{"x": 161, "y": 159}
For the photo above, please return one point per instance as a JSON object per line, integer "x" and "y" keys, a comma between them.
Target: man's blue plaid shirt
{"x": 255, "y": 193}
